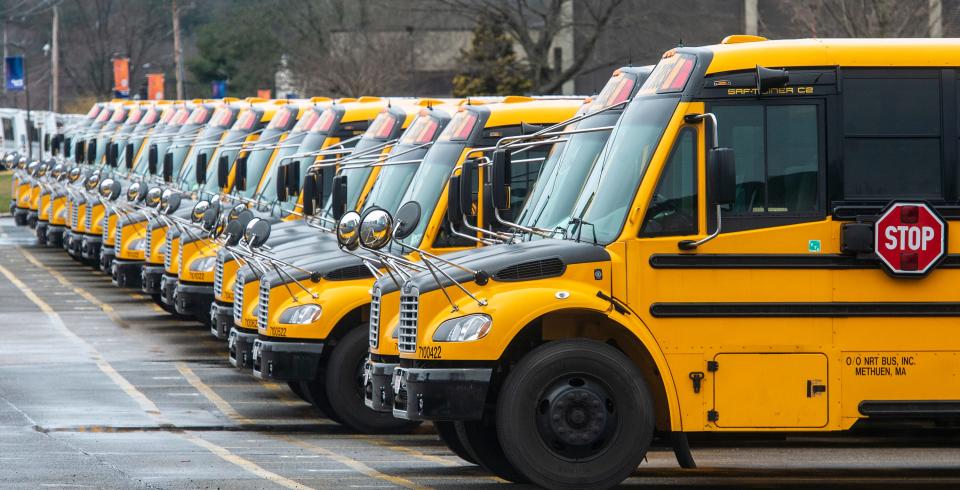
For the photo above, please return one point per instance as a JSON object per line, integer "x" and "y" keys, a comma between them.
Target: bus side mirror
{"x": 454, "y": 213}
{"x": 223, "y": 171}
{"x": 467, "y": 172}
{"x": 500, "y": 179}
{"x": 128, "y": 156}
{"x": 310, "y": 193}
{"x": 293, "y": 178}
{"x": 280, "y": 181}
{"x": 240, "y": 179}
{"x": 46, "y": 142}
{"x": 768, "y": 78}
{"x": 112, "y": 153}
{"x": 724, "y": 175}
{"x": 152, "y": 157}
{"x": 168, "y": 167}
{"x": 78, "y": 155}
{"x": 91, "y": 151}
{"x": 201, "y": 168}
{"x": 339, "y": 196}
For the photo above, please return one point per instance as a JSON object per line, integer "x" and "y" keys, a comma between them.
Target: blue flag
{"x": 13, "y": 73}
{"x": 219, "y": 88}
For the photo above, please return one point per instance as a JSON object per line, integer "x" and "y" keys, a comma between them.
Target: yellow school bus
{"x": 326, "y": 348}
{"x": 728, "y": 268}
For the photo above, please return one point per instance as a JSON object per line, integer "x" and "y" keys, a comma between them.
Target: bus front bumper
{"x": 240, "y": 347}
{"x": 20, "y": 216}
{"x": 125, "y": 273}
{"x": 55, "y": 235}
{"x": 42, "y": 232}
{"x": 377, "y": 392}
{"x": 90, "y": 247}
{"x": 150, "y": 275}
{"x": 168, "y": 289}
{"x": 106, "y": 258}
{"x": 194, "y": 299}
{"x": 32, "y": 218}
{"x": 286, "y": 361}
{"x": 221, "y": 319}
{"x": 440, "y": 393}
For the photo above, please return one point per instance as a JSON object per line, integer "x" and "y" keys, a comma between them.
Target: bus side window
{"x": 778, "y": 157}
{"x": 673, "y": 208}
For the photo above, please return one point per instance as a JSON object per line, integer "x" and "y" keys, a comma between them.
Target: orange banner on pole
{"x": 155, "y": 86}
{"x": 121, "y": 77}
{"x": 263, "y": 93}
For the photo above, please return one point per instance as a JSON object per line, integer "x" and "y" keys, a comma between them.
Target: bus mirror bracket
{"x": 467, "y": 171}
{"x": 722, "y": 175}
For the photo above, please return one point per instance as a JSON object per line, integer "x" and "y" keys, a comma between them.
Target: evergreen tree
{"x": 489, "y": 66}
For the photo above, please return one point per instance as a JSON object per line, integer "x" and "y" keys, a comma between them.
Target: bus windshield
{"x": 429, "y": 181}
{"x": 612, "y": 183}
{"x": 258, "y": 158}
{"x": 564, "y": 173}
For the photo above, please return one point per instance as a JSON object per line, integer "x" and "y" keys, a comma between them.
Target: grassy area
{"x": 5, "y": 191}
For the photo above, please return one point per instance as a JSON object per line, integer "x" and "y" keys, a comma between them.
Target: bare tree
{"x": 862, "y": 18}
{"x": 536, "y": 26}
{"x": 102, "y": 29}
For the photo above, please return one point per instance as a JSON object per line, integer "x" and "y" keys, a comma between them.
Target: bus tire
{"x": 479, "y": 438}
{"x": 575, "y": 413}
{"x": 447, "y": 432}
{"x": 315, "y": 392}
{"x": 344, "y": 382}
{"x": 297, "y": 389}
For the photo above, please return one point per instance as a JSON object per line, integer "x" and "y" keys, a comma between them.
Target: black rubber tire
{"x": 315, "y": 392}
{"x": 447, "y": 432}
{"x": 345, "y": 388}
{"x": 297, "y": 389}
{"x": 479, "y": 439}
{"x": 587, "y": 363}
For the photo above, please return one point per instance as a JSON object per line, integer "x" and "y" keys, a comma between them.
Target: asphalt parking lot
{"x": 100, "y": 388}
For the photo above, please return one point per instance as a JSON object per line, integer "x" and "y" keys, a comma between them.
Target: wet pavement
{"x": 100, "y": 388}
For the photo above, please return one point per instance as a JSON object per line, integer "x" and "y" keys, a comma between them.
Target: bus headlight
{"x": 301, "y": 315}
{"x": 137, "y": 245}
{"x": 464, "y": 329}
{"x": 205, "y": 264}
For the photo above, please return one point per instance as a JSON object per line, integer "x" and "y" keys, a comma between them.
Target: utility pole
{"x": 177, "y": 49}
{"x": 750, "y": 17}
{"x": 935, "y": 19}
{"x": 55, "y": 60}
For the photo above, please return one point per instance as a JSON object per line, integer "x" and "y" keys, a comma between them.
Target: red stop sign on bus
{"x": 910, "y": 238}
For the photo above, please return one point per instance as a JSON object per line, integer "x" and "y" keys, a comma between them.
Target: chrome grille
{"x": 409, "y": 314}
{"x": 88, "y": 219}
{"x": 238, "y": 301}
{"x": 148, "y": 244}
{"x": 105, "y": 232}
{"x": 179, "y": 257}
{"x": 263, "y": 307}
{"x": 75, "y": 215}
{"x": 218, "y": 277}
{"x": 167, "y": 246}
{"x": 118, "y": 236}
{"x": 375, "y": 318}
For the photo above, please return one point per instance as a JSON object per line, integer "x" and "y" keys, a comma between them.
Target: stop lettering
{"x": 910, "y": 238}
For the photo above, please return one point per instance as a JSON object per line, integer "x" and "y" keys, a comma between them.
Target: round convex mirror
{"x": 153, "y": 197}
{"x": 196, "y": 215}
{"x": 348, "y": 230}
{"x": 376, "y": 229}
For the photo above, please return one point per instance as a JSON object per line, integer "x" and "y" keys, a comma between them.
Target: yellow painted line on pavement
{"x": 412, "y": 452}
{"x": 246, "y": 464}
{"x": 353, "y": 464}
{"x": 283, "y": 393}
{"x": 82, "y": 292}
{"x": 221, "y": 404}
{"x": 145, "y": 403}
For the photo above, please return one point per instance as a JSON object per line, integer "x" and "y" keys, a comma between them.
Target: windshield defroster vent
{"x": 526, "y": 271}
{"x": 348, "y": 273}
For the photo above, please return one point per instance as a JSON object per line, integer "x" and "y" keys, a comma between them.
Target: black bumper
{"x": 194, "y": 299}
{"x": 240, "y": 347}
{"x": 168, "y": 289}
{"x": 106, "y": 258}
{"x": 32, "y": 218}
{"x": 55, "y": 235}
{"x": 74, "y": 244}
{"x": 20, "y": 216}
{"x": 125, "y": 273}
{"x": 440, "y": 394}
{"x": 377, "y": 392}
{"x": 286, "y": 361}
{"x": 90, "y": 247}
{"x": 221, "y": 319}
{"x": 150, "y": 275}
{"x": 42, "y": 232}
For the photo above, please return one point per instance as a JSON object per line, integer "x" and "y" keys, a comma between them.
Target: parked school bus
{"x": 695, "y": 293}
